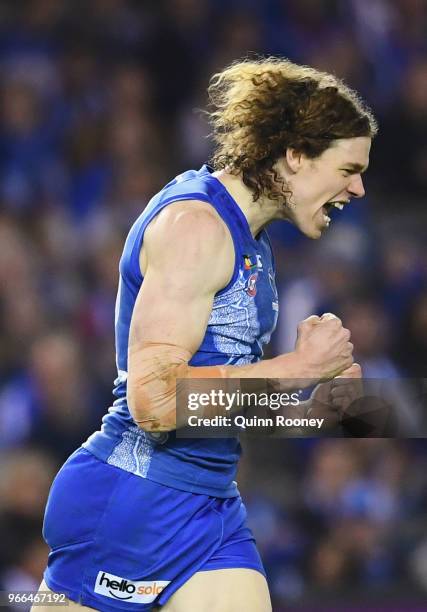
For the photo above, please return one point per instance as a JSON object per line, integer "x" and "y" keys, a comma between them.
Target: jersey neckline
{"x": 206, "y": 169}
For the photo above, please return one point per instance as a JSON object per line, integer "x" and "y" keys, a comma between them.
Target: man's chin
{"x": 312, "y": 232}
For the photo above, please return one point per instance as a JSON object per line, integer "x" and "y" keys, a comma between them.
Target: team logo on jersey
{"x": 140, "y": 591}
{"x": 251, "y": 284}
{"x": 249, "y": 263}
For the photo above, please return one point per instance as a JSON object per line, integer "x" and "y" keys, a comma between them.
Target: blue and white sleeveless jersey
{"x": 243, "y": 316}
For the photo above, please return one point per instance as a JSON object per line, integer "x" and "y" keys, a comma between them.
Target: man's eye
{"x": 347, "y": 172}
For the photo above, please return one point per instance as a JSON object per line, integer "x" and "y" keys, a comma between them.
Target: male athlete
{"x": 138, "y": 518}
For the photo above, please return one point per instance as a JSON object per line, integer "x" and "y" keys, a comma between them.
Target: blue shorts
{"x": 122, "y": 542}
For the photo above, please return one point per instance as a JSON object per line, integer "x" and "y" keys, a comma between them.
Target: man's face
{"x": 334, "y": 176}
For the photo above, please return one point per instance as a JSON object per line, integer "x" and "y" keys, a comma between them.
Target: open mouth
{"x": 329, "y": 206}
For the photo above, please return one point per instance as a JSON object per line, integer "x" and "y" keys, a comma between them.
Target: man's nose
{"x": 356, "y": 187}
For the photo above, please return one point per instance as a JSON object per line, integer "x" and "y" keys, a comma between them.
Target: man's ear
{"x": 293, "y": 159}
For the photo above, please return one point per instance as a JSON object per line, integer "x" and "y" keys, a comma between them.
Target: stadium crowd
{"x": 100, "y": 104}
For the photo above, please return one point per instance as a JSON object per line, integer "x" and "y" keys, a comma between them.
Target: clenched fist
{"x": 330, "y": 400}
{"x": 324, "y": 346}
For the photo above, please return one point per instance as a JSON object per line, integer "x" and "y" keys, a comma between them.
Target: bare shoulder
{"x": 194, "y": 231}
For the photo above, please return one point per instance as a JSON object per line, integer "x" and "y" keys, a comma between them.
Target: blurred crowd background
{"x": 99, "y": 111}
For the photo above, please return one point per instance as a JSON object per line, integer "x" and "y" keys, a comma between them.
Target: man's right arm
{"x": 188, "y": 257}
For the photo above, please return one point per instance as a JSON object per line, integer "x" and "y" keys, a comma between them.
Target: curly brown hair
{"x": 260, "y": 108}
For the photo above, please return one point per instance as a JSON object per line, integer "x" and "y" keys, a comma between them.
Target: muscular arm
{"x": 188, "y": 256}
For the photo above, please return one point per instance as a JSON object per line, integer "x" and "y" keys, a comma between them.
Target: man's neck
{"x": 259, "y": 213}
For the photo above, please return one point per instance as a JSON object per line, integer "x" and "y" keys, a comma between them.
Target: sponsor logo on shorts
{"x": 117, "y": 587}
